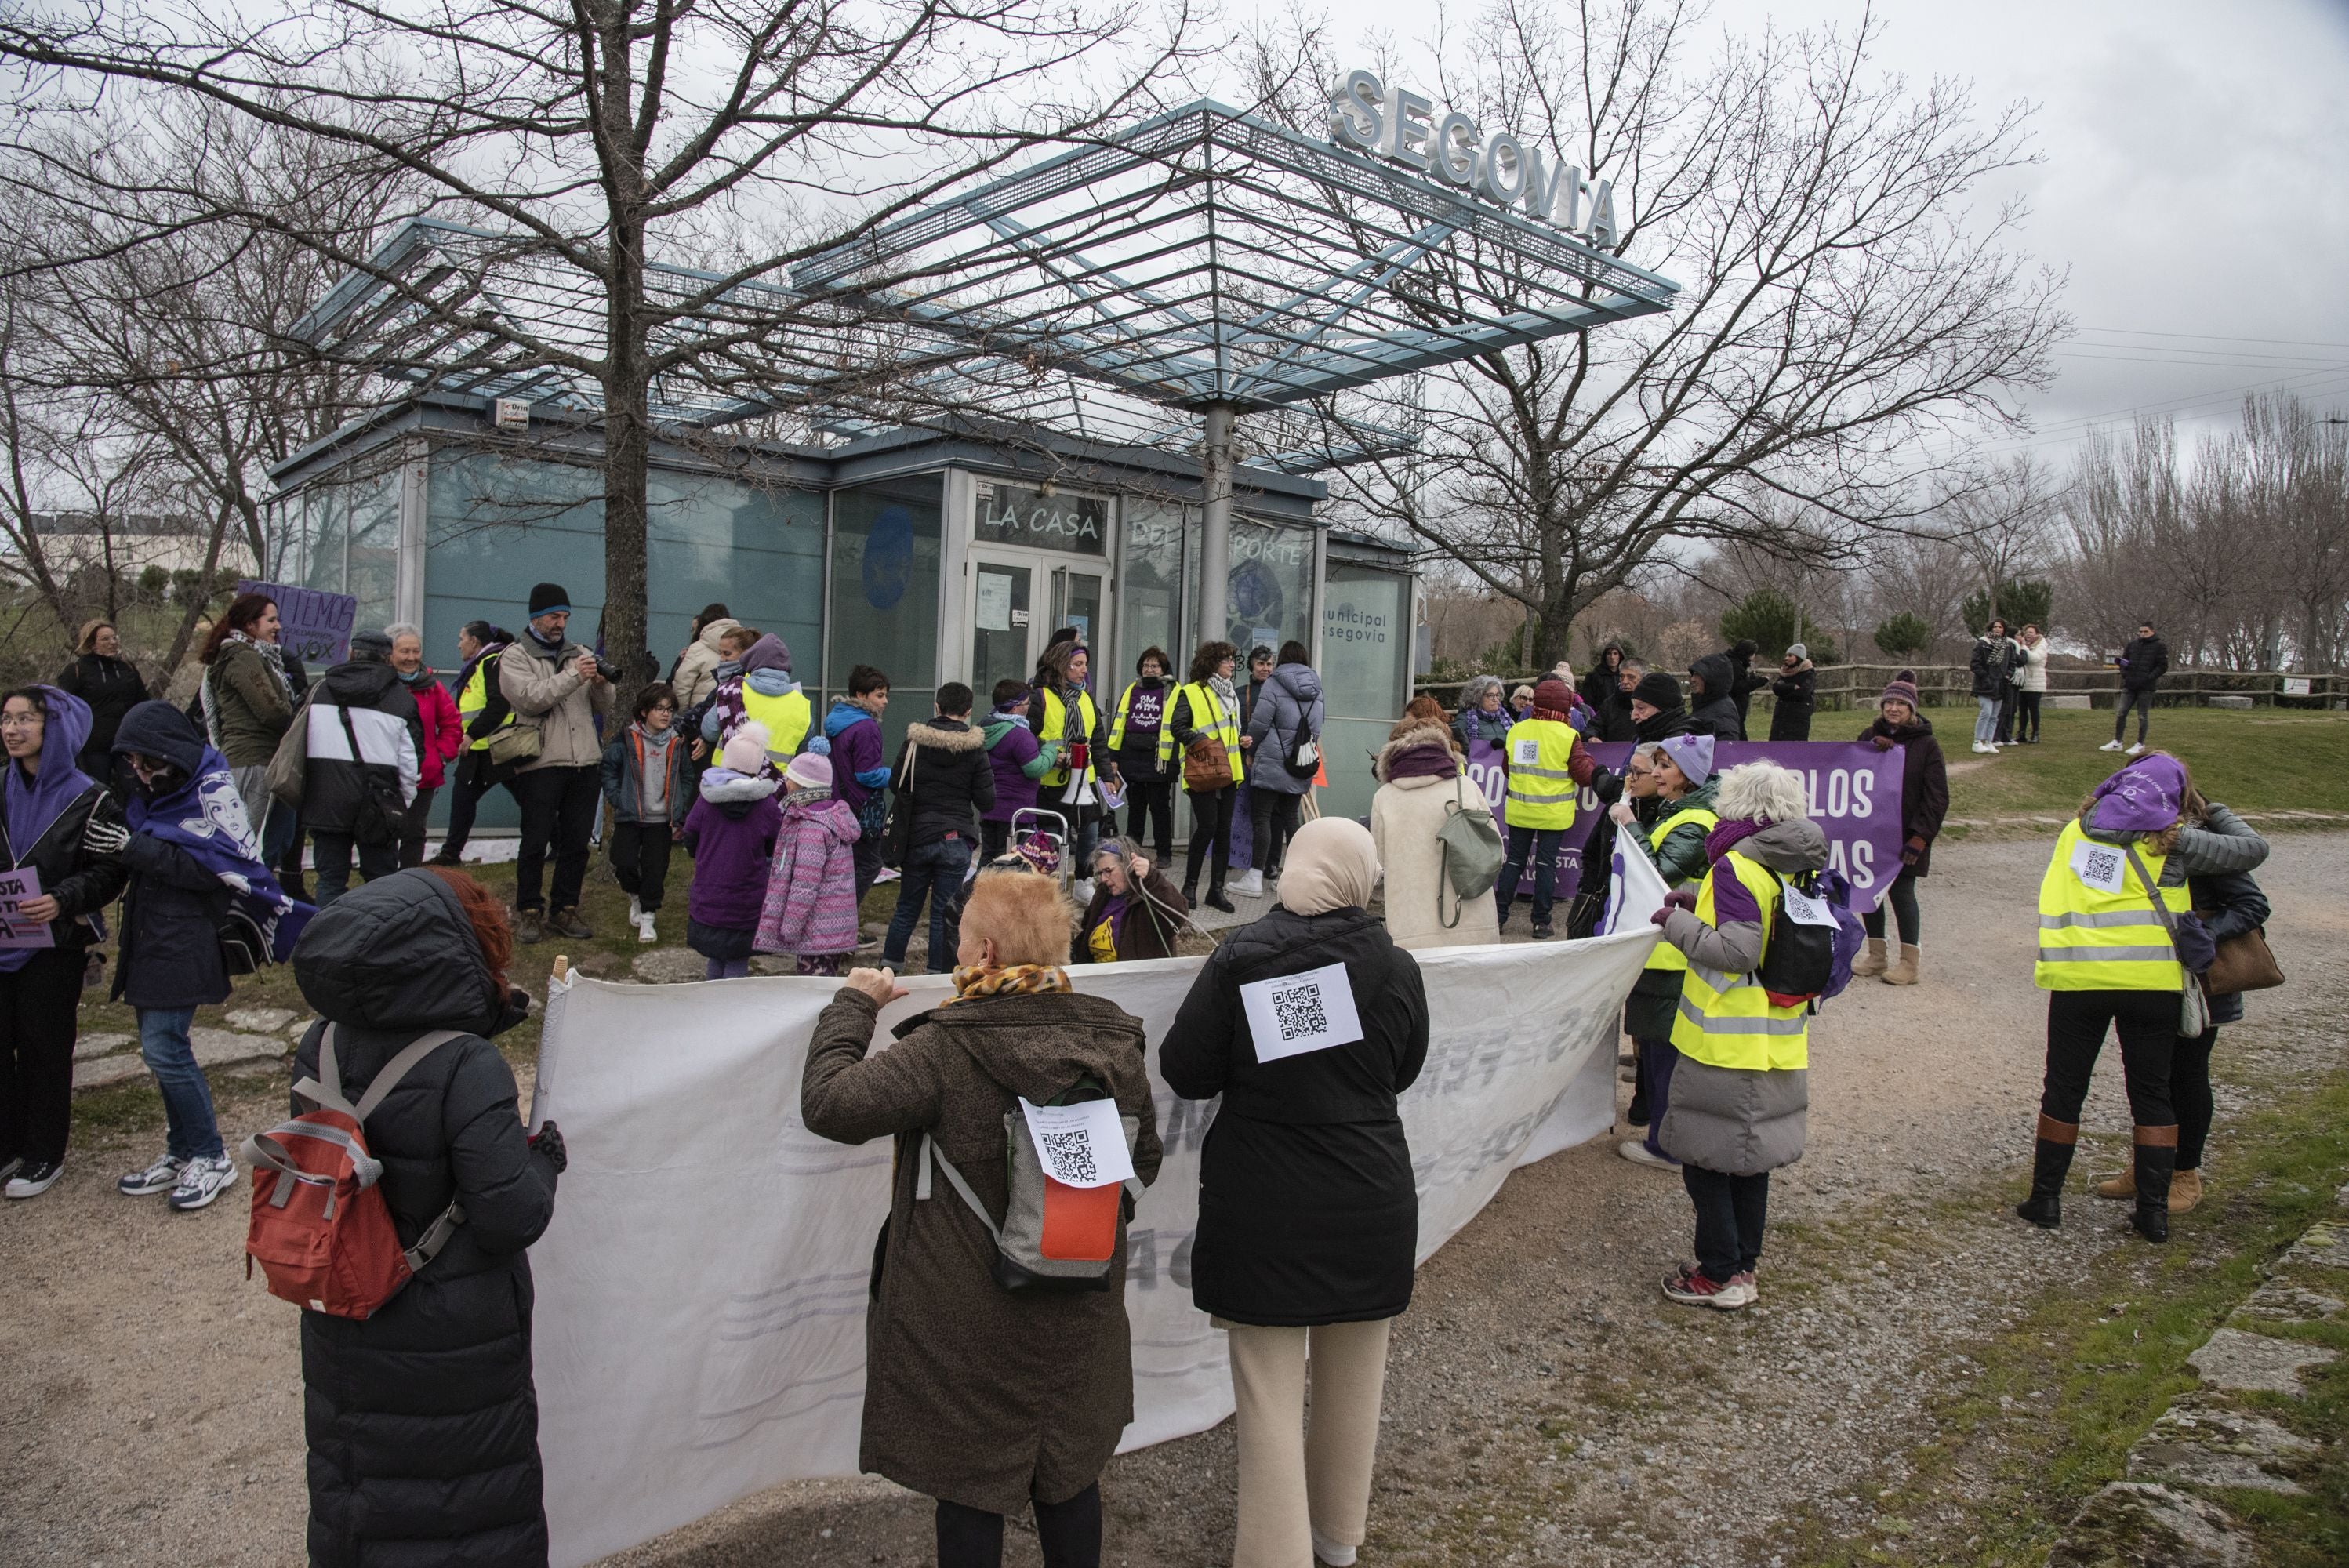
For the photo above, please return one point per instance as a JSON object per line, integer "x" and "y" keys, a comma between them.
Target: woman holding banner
{"x": 1309, "y": 1023}
{"x": 1483, "y": 716}
{"x": 1924, "y": 801}
{"x": 984, "y": 1397}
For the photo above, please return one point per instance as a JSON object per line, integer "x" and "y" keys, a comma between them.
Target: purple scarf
{"x": 1725, "y": 837}
{"x": 1428, "y": 761}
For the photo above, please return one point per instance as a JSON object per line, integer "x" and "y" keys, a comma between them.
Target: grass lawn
{"x": 2266, "y": 759}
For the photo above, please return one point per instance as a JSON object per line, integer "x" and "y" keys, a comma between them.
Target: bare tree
{"x": 1841, "y": 299}
{"x": 592, "y": 136}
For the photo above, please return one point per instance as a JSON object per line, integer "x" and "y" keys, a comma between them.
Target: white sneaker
{"x": 2110, "y": 746}
{"x": 1249, "y": 884}
{"x": 645, "y": 932}
{"x": 200, "y": 1181}
{"x": 1329, "y": 1551}
{"x": 162, "y": 1175}
{"x": 1979, "y": 747}
{"x": 635, "y": 910}
{"x": 1637, "y": 1152}
{"x": 2138, "y": 748}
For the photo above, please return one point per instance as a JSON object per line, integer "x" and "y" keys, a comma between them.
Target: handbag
{"x": 2244, "y": 964}
{"x": 1207, "y": 762}
{"x": 291, "y": 760}
{"x": 382, "y": 813}
{"x": 897, "y": 830}
{"x": 514, "y": 743}
{"x": 2193, "y": 1002}
{"x": 1471, "y": 846}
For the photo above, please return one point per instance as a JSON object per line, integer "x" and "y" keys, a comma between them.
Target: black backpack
{"x": 1807, "y": 961}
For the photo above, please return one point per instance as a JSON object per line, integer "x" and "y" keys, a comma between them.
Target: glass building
{"x": 933, "y": 557}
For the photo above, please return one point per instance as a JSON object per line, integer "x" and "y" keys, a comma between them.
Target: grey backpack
{"x": 1052, "y": 1238}
{"x": 1471, "y": 846}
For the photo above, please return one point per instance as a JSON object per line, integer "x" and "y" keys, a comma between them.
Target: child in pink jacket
{"x": 811, "y": 907}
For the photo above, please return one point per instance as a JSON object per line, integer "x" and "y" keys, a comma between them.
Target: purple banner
{"x": 1855, "y": 794}
{"x": 312, "y": 624}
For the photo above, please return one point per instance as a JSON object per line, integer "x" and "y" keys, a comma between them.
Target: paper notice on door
{"x": 1298, "y": 1013}
{"x": 1080, "y": 1145}
{"x": 994, "y": 601}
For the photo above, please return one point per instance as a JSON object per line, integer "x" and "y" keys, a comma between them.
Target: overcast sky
{"x": 2195, "y": 181}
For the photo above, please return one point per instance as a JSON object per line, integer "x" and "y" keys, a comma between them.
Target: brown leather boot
{"x": 1903, "y": 971}
{"x": 2185, "y": 1191}
{"x": 2121, "y": 1186}
{"x": 1871, "y": 959}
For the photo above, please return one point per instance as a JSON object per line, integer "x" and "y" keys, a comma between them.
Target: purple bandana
{"x": 2142, "y": 798}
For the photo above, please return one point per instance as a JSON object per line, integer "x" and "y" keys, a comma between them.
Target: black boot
{"x": 1215, "y": 899}
{"x": 2050, "y": 1164}
{"x": 2157, "y": 1162}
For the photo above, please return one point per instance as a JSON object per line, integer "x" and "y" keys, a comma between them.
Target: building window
{"x": 1271, "y": 585}
{"x": 1026, "y": 516}
{"x": 1149, "y": 596}
{"x": 886, "y": 545}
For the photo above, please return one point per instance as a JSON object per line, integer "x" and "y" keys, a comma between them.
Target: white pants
{"x": 1296, "y": 1481}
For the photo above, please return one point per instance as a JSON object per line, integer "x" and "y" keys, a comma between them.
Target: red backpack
{"x": 320, "y": 1229}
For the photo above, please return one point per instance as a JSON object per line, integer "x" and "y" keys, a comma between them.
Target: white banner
{"x": 700, "y": 1320}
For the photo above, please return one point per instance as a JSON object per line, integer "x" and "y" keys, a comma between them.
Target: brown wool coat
{"x": 972, "y": 1393}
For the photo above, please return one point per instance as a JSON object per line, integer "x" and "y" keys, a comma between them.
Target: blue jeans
{"x": 932, "y": 871}
{"x": 1541, "y": 843}
{"x": 190, "y": 1133}
{"x": 1985, "y": 719}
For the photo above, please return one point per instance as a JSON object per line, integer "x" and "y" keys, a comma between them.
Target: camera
{"x": 608, "y": 669}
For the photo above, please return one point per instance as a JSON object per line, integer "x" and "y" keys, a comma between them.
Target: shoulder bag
{"x": 291, "y": 760}
{"x": 381, "y": 815}
{"x": 1471, "y": 846}
{"x": 1206, "y": 763}
{"x": 897, "y": 830}
{"x": 2244, "y": 964}
{"x": 2193, "y": 1003}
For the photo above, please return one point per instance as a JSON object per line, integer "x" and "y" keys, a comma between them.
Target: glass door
{"x": 1077, "y": 602}
{"x": 1002, "y": 623}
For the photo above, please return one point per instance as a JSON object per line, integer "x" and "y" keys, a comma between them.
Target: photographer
{"x": 561, "y": 688}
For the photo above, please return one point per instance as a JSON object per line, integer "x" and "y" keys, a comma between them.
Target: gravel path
{"x": 1545, "y": 1404}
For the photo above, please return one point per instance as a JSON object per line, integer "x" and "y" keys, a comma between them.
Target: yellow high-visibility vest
{"x": 787, "y": 719}
{"x": 1207, "y": 713}
{"x": 1056, "y": 729}
{"x": 1542, "y": 793}
{"x": 1666, "y": 956}
{"x": 2099, "y": 929}
{"x": 1126, "y": 709}
{"x": 476, "y": 696}
{"x": 1729, "y": 1020}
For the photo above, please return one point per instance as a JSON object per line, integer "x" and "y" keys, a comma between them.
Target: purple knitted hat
{"x": 2143, "y": 797}
{"x": 1902, "y": 688}
{"x": 1693, "y": 755}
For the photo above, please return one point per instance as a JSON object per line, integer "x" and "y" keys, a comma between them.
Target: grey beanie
{"x": 1797, "y": 651}
{"x": 370, "y": 648}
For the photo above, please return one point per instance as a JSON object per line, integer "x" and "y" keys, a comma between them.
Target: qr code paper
{"x": 1072, "y": 1154}
{"x": 1299, "y": 1013}
{"x": 2099, "y": 866}
{"x": 2103, "y": 866}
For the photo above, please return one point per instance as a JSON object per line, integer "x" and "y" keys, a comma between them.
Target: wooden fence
{"x": 1951, "y": 686}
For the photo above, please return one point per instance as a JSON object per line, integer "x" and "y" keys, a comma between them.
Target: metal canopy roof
{"x": 1202, "y": 257}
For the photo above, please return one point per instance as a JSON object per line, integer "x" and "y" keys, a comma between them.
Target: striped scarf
{"x": 972, "y": 981}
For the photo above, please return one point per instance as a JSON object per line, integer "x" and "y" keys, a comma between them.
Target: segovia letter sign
{"x": 1403, "y": 128}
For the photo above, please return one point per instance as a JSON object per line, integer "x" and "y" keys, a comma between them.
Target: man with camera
{"x": 557, "y": 687}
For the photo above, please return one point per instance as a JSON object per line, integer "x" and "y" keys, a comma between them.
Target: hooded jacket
{"x": 810, "y": 905}
{"x": 1796, "y": 690}
{"x": 422, "y": 1422}
{"x": 974, "y": 1394}
{"x": 68, "y": 798}
{"x": 696, "y": 675}
{"x": 1016, "y": 758}
{"x": 1599, "y": 680}
{"x": 859, "y": 768}
{"x": 437, "y": 721}
{"x": 1307, "y": 1210}
{"x": 172, "y": 904}
{"x": 1715, "y": 713}
{"x": 1406, "y": 814}
{"x": 631, "y": 757}
{"x": 112, "y": 688}
{"x": 1291, "y": 697}
{"x": 1738, "y": 1120}
{"x": 730, "y": 835}
{"x": 251, "y": 703}
{"x": 544, "y": 687}
{"x": 1924, "y": 785}
{"x": 2143, "y": 663}
{"x": 382, "y": 717}
{"x": 944, "y": 767}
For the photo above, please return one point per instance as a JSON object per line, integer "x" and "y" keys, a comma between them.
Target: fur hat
{"x": 1658, "y": 691}
{"x": 808, "y": 771}
{"x": 1023, "y": 914}
{"x": 746, "y": 749}
{"x": 1902, "y": 688}
{"x": 1554, "y": 693}
{"x": 546, "y": 598}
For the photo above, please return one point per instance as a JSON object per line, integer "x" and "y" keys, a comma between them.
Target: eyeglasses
{"x": 20, "y": 721}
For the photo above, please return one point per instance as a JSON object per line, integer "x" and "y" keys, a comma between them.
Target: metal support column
{"x": 1216, "y": 546}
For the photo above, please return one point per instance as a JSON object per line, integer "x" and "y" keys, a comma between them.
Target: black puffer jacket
{"x": 422, "y": 1420}
{"x": 952, "y": 780}
{"x": 383, "y": 717}
{"x": 1715, "y": 713}
{"x": 112, "y": 688}
{"x": 1308, "y": 1211}
{"x": 1796, "y": 690}
{"x": 173, "y": 908}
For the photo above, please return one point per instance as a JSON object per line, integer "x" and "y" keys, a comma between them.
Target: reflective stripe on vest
{"x": 1207, "y": 713}
{"x": 787, "y": 719}
{"x": 2091, "y": 940}
{"x": 1056, "y": 727}
{"x": 476, "y": 696}
{"x": 1667, "y": 957}
{"x": 1542, "y": 791}
{"x": 1728, "y": 1020}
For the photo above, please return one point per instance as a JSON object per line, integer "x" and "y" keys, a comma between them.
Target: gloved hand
{"x": 547, "y": 1144}
{"x": 1883, "y": 742}
{"x": 1682, "y": 898}
{"x": 1913, "y": 850}
{"x": 2196, "y": 949}
{"x": 1661, "y": 915}
{"x": 106, "y": 840}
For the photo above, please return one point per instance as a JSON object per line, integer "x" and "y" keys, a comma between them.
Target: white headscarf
{"x": 1332, "y": 864}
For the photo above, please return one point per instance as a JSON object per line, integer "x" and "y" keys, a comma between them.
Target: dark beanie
{"x": 1658, "y": 691}
{"x": 548, "y": 596}
{"x": 1554, "y": 695}
{"x": 1902, "y": 688}
{"x": 370, "y": 647}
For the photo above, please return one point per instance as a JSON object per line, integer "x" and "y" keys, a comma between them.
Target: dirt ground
{"x": 1544, "y": 1403}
